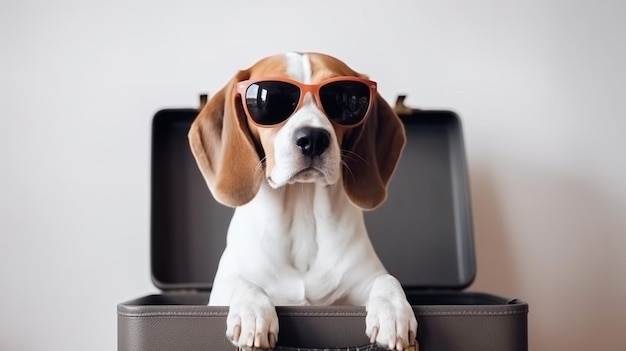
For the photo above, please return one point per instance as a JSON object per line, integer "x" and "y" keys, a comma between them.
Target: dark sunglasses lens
{"x": 271, "y": 102}
{"x": 345, "y": 102}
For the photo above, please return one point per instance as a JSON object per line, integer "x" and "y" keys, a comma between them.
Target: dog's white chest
{"x": 291, "y": 232}
{"x": 294, "y": 245}
{"x": 303, "y": 245}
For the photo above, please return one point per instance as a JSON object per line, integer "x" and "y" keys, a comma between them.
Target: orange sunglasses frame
{"x": 314, "y": 89}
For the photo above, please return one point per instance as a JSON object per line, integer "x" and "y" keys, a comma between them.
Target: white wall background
{"x": 540, "y": 86}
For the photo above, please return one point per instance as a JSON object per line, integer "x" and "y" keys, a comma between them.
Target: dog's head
{"x": 297, "y": 118}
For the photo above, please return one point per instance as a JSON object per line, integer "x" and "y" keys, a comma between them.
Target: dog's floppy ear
{"x": 224, "y": 148}
{"x": 373, "y": 152}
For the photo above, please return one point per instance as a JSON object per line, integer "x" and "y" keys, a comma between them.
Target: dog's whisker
{"x": 348, "y": 169}
{"x": 349, "y": 154}
{"x": 260, "y": 166}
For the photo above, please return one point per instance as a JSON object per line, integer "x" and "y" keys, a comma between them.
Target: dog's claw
{"x": 236, "y": 333}
{"x": 250, "y": 341}
{"x": 400, "y": 344}
{"x": 374, "y": 335}
{"x": 413, "y": 341}
{"x": 273, "y": 339}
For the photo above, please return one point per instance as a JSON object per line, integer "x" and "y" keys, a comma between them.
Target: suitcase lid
{"x": 422, "y": 233}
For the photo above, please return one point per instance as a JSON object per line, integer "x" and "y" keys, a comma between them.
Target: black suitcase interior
{"x": 422, "y": 233}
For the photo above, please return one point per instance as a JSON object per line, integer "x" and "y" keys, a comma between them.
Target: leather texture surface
{"x": 174, "y": 322}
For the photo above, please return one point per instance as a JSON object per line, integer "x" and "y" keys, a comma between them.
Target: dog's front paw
{"x": 390, "y": 320}
{"x": 252, "y": 323}
{"x": 391, "y": 323}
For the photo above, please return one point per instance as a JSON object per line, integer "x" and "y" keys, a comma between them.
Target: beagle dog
{"x": 300, "y": 144}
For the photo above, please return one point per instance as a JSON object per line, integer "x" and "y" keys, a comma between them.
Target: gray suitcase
{"x": 423, "y": 235}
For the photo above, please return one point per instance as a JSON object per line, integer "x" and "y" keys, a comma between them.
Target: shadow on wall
{"x": 556, "y": 241}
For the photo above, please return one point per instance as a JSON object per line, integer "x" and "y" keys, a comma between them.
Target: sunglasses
{"x": 345, "y": 100}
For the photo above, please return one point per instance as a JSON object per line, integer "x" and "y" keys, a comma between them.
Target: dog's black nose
{"x": 312, "y": 141}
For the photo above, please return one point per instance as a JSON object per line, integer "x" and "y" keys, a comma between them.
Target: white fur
{"x": 299, "y": 66}
{"x": 300, "y": 241}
